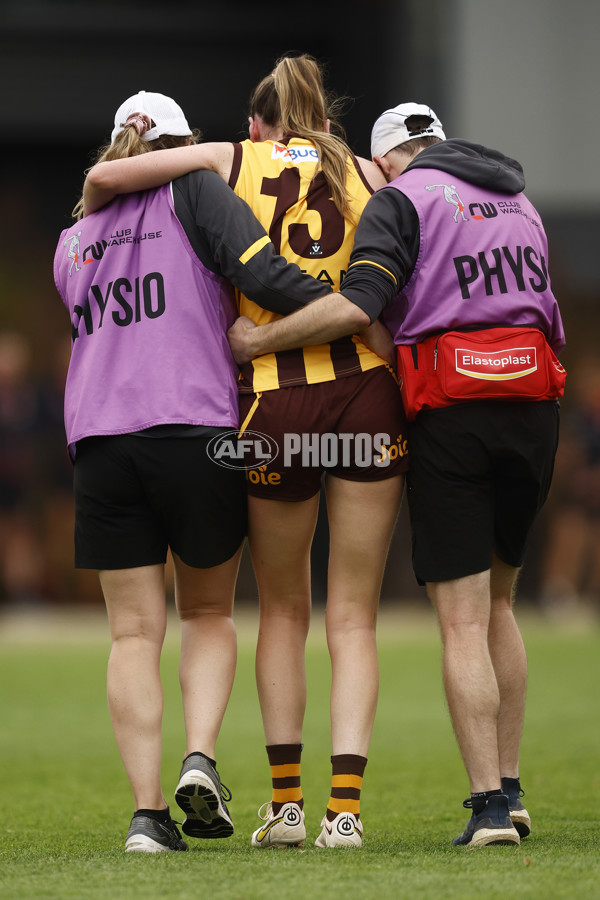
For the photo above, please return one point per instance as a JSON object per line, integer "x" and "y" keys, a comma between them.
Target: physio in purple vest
{"x": 151, "y": 413}
{"x": 452, "y": 243}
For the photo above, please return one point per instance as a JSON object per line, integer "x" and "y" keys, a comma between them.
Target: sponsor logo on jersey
{"x": 295, "y": 155}
{"x": 480, "y": 211}
{"x": 95, "y": 252}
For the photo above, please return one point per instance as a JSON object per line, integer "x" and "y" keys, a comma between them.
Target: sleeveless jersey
{"x": 482, "y": 261}
{"x": 276, "y": 179}
{"x": 149, "y": 323}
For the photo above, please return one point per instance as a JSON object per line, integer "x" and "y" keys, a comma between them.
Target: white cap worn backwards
{"x": 393, "y": 127}
{"x": 166, "y": 115}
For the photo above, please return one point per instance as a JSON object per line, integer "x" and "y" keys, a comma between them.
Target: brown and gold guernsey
{"x": 276, "y": 179}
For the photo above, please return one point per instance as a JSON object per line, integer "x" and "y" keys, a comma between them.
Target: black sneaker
{"x": 202, "y": 797}
{"x": 518, "y": 813}
{"x": 148, "y": 835}
{"x": 491, "y": 826}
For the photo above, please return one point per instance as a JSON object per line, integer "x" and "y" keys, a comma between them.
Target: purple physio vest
{"x": 149, "y": 323}
{"x": 482, "y": 261}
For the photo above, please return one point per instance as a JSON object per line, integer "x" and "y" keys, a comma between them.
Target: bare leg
{"x": 135, "y": 601}
{"x": 463, "y": 608}
{"x": 204, "y": 599}
{"x": 508, "y": 656}
{"x": 361, "y": 521}
{"x": 280, "y": 536}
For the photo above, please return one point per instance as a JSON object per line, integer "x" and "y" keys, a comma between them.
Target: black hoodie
{"x": 473, "y": 163}
{"x": 387, "y": 237}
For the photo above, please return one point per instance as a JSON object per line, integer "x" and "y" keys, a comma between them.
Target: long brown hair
{"x": 293, "y": 98}
{"x": 129, "y": 143}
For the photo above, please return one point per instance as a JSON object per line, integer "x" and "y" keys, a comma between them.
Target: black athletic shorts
{"x": 135, "y": 497}
{"x": 353, "y": 428}
{"x": 479, "y": 475}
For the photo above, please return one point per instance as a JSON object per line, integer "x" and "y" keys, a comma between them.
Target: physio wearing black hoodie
{"x": 388, "y": 234}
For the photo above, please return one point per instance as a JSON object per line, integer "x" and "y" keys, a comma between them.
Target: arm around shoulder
{"x": 150, "y": 170}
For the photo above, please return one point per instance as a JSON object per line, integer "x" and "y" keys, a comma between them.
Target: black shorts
{"x": 135, "y": 497}
{"x": 353, "y": 428}
{"x": 479, "y": 475}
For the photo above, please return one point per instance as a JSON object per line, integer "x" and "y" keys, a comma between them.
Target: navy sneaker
{"x": 202, "y": 797}
{"x": 492, "y": 825}
{"x": 518, "y": 813}
{"x": 148, "y": 835}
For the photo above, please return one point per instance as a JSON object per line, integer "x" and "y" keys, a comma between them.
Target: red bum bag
{"x": 492, "y": 364}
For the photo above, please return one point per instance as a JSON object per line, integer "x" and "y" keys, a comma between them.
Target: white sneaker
{"x": 286, "y": 829}
{"x": 345, "y": 831}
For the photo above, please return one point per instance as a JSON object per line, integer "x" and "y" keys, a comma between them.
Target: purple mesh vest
{"x": 482, "y": 261}
{"x": 149, "y": 323}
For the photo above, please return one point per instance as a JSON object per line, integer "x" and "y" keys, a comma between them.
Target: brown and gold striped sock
{"x": 346, "y": 781}
{"x": 284, "y": 760}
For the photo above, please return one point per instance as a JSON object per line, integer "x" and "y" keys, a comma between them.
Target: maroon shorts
{"x": 353, "y": 428}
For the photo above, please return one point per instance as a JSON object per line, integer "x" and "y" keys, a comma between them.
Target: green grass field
{"x": 65, "y": 803}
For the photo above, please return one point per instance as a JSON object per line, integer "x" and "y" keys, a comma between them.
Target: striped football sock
{"x": 284, "y": 760}
{"x": 346, "y": 782}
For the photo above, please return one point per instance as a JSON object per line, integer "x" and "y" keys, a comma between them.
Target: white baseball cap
{"x": 167, "y": 116}
{"x": 393, "y": 127}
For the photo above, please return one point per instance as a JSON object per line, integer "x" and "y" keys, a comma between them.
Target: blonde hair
{"x": 293, "y": 98}
{"x": 129, "y": 143}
